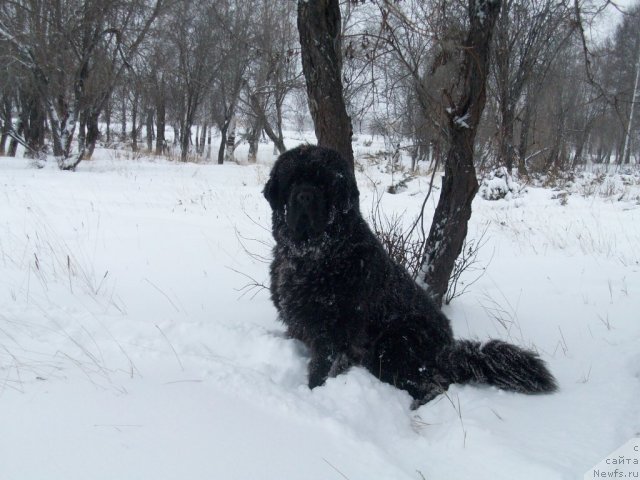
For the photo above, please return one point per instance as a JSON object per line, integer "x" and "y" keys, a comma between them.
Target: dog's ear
{"x": 271, "y": 188}
{"x": 346, "y": 191}
{"x": 278, "y": 178}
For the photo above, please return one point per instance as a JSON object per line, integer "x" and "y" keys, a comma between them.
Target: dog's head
{"x": 309, "y": 187}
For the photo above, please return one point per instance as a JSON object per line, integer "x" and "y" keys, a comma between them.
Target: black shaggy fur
{"x": 337, "y": 291}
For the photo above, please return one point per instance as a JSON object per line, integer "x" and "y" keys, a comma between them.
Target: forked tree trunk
{"x": 319, "y": 27}
{"x": 459, "y": 185}
{"x": 263, "y": 122}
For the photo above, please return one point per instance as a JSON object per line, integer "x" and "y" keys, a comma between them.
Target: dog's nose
{"x": 304, "y": 197}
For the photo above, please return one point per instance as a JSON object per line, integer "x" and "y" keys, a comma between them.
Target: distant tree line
{"x": 100, "y": 70}
{"x": 556, "y": 98}
{"x": 80, "y": 72}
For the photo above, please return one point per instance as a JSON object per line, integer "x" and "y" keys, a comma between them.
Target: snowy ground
{"x": 128, "y": 350}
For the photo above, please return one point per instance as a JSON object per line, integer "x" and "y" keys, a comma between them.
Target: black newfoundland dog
{"x": 337, "y": 291}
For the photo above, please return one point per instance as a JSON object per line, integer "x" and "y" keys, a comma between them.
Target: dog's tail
{"x": 496, "y": 363}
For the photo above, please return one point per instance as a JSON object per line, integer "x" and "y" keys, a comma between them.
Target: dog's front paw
{"x": 318, "y": 371}
{"x": 316, "y": 379}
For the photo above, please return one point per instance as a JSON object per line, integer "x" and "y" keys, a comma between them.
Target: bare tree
{"x": 459, "y": 185}
{"x": 319, "y": 26}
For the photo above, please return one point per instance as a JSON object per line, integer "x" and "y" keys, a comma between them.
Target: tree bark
{"x": 254, "y": 139}
{"x": 459, "y": 185}
{"x": 223, "y": 141}
{"x": 13, "y": 143}
{"x": 160, "y": 125}
{"x": 93, "y": 132}
{"x": 107, "y": 119}
{"x": 202, "y": 139}
{"x": 149, "y": 129}
{"x": 185, "y": 140}
{"x": 319, "y": 28}
{"x": 123, "y": 114}
{"x": 6, "y": 123}
{"x": 134, "y": 121}
{"x": 230, "y": 148}
{"x": 208, "y": 155}
{"x": 82, "y": 131}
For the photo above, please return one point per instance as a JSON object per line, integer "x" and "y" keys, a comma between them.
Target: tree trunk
{"x": 160, "y": 125}
{"x": 319, "y": 27}
{"x": 583, "y": 137}
{"x": 93, "y": 132}
{"x": 280, "y": 138}
{"x": 134, "y": 122}
{"x": 254, "y": 139}
{"x": 123, "y": 114}
{"x": 13, "y": 143}
{"x": 6, "y": 123}
{"x": 186, "y": 125}
{"x": 107, "y": 119}
{"x": 82, "y": 131}
{"x": 223, "y": 140}
{"x": 203, "y": 138}
{"x": 3, "y": 138}
{"x": 229, "y": 153}
{"x": 208, "y": 156}
{"x": 149, "y": 129}
{"x": 459, "y": 185}
{"x": 185, "y": 139}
